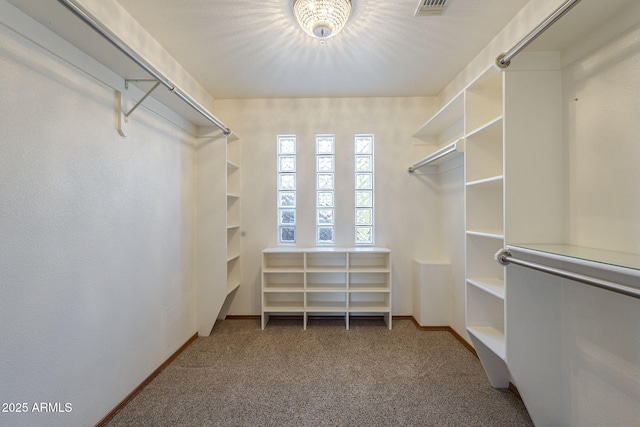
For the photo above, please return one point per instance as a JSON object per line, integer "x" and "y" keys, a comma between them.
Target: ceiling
{"x": 256, "y": 49}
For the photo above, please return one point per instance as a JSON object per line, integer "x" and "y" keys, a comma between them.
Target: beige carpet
{"x": 324, "y": 376}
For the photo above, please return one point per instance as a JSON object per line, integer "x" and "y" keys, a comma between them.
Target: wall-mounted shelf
{"x": 448, "y": 121}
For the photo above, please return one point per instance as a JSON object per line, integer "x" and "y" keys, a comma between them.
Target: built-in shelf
{"x": 494, "y": 180}
{"x": 486, "y": 233}
{"x": 491, "y": 285}
{"x": 491, "y": 337}
{"x": 485, "y": 226}
{"x": 233, "y": 196}
{"x": 447, "y": 117}
{"x": 326, "y": 280}
{"x": 493, "y": 126}
{"x": 231, "y": 287}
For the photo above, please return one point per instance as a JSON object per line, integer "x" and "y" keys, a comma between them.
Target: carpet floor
{"x": 324, "y": 376}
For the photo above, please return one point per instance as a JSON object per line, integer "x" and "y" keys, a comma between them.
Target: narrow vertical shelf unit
{"x": 326, "y": 281}
{"x": 506, "y": 140}
{"x": 484, "y": 212}
{"x": 233, "y": 216}
{"x": 218, "y": 216}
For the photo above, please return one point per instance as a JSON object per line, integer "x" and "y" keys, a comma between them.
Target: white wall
{"x": 601, "y": 109}
{"x": 96, "y": 235}
{"x": 601, "y": 348}
{"x": 452, "y": 220}
{"x": 406, "y": 215}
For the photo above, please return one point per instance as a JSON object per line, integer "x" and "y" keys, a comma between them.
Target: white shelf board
{"x": 368, "y": 287}
{"x": 327, "y": 269}
{"x": 327, "y": 288}
{"x": 233, "y": 257}
{"x": 490, "y": 126}
{"x": 321, "y": 249}
{"x": 365, "y": 269}
{"x": 232, "y": 286}
{"x": 446, "y": 117}
{"x": 491, "y": 337}
{"x": 284, "y": 287}
{"x": 231, "y": 227}
{"x": 233, "y": 196}
{"x": 493, "y": 180}
{"x": 284, "y": 269}
{"x": 492, "y": 286}
{"x": 495, "y": 234}
{"x": 232, "y": 165}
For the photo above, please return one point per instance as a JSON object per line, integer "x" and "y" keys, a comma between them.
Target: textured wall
{"x": 96, "y": 240}
{"x": 406, "y": 214}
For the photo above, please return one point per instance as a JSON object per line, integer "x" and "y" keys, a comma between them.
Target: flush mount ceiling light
{"x": 322, "y": 18}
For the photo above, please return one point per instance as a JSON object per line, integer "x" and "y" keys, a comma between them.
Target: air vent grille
{"x": 432, "y": 7}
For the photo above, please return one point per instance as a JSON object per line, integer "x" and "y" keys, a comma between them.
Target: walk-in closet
{"x": 320, "y": 212}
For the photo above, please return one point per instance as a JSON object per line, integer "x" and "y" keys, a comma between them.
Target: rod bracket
{"x": 501, "y": 63}
{"x": 502, "y": 257}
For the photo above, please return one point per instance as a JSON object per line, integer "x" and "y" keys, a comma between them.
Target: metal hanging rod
{"x": 451, "y": 148}
{"x": 505, "y": 258}
{"x": 504, "y": 59}
{"x": 94, "y": 23}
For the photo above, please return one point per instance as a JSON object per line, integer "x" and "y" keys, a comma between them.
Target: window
{"x": 286, "y": 189}
{"x": 364, "y": 181}
{"x": 325, "y": 189}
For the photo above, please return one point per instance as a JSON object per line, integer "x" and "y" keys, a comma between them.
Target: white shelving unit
{"x": 326, "y": 281}
{"x": 218, "y": 215}
{"x": 505, "y": 142}
{"x": 484, "y": 211}
{"x": 233, "y": 221}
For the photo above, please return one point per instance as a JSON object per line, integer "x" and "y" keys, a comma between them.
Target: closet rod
{"x": 505, "y": 258}
{"x": 94, "y": 23}
{"x": 504, "y": 59}
{"x": 433, "y": 157}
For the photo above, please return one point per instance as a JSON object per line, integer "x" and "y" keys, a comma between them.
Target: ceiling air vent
{"x": 431, "y": 7}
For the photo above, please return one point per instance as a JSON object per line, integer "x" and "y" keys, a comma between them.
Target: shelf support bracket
{"x": 126, "y": 86}
{"x": 121, "y": 102}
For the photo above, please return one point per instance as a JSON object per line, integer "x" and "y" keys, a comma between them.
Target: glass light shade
{"x": 322, "y": 18}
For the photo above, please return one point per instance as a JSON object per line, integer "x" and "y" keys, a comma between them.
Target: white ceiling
{"x": 256, "y": 49}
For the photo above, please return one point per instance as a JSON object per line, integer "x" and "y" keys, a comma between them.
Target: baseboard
{"x": 415, "y": 322}
{"x": 242, "y": 316}
{"x": 103, "y": 422}
{"x": 448, "y": 329}
{"x": 515, "y": 391}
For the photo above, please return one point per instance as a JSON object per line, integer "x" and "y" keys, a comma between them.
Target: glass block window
{"x": 364, "y": 187}
{"x": 286, "y": 189}
{"x": 325, "y": 187}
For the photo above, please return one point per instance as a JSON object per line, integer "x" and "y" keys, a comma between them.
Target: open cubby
{"x": 329, "y": 281}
